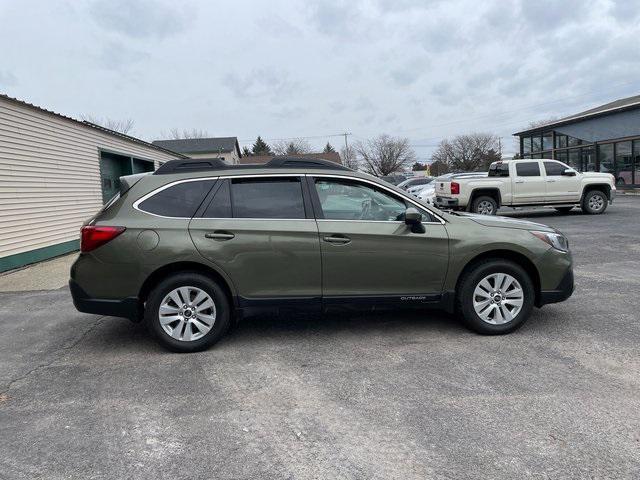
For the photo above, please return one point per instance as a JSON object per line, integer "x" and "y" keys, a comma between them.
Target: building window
{"x": 636, "y": 162}
{"x": 547, "y": 141}
{"x": 605, "y": 156}
{"x": 526, "y": 145}
{"x": 588, "y": 159}
{"x": 562, "y": 156}
{"x": 536, "y": 143}
{"x": 623, "y": 166}
{"x": 573, "y": 141}
{"x": 561, "y": 141}
{"x": 574, "y": 159}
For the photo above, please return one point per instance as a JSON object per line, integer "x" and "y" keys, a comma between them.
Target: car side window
{"x": 528, "y": 169}
{"x": 554, "y": 169}
{"x": 180, "y": 200}
{"x": 267, "y": 198}
{"x": 350, "y": 200}
{"x": 220, "y": 205}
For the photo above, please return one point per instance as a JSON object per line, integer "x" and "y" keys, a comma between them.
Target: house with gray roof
{"x": 226, "y": 148}
{"x": 602, "y": 139}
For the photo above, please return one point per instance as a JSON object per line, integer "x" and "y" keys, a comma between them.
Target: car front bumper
{"x": 560, "y": 293}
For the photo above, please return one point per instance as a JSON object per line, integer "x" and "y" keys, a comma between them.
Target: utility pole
{"x": 346, "y": 145}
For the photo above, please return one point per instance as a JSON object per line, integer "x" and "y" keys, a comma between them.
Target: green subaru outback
{"x": 192, "y": 247}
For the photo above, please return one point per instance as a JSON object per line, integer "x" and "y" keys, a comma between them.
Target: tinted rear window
{"x": 220, "y": 206}
{"x": 267, "y": 198}
{"x": 180, "y": 200}
{"x": 528, "y": 169}
{"x": 499, "y": 170}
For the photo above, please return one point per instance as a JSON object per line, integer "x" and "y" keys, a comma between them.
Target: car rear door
{"x": 561, "y": 188}
{"x": 368, "y": 252}
{"x": 261, "y": 232}
{"x": 529, "y": 186}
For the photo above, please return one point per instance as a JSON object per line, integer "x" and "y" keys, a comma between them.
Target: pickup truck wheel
{"x": 564, "y": 209}
{"x": 187, "y": 312}
{"x": 594, "y": 202}
{"x": 495, "y": 297}
{"x": 484, "y": 205}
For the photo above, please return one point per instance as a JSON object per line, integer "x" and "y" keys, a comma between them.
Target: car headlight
{"x": 556, "y": 240}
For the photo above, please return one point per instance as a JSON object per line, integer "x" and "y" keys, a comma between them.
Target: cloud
{"x": 117, "y": 56}
{"x": 266, "y": 82}
{"x": 140, "y": 19}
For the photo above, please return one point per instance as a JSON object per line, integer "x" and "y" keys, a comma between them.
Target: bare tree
{"x": 385, "y": 155}
{"x": 291, "y": 147}
{"x": 349, "y": 158}
{"x": 121, "y": 126}
{"x": 468, "y": 153}
{"x": 177, "y": 134}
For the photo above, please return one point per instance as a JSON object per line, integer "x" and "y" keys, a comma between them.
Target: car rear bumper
{"x": 130, "y": 307}
{"x": 443, "y": 202}
{"x": 560, "y": 293}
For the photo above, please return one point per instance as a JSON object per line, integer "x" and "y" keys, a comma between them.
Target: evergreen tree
{"x": 246, "y": 152}
{"x": 260, "y": 147}
{"x": 328, "y": 148}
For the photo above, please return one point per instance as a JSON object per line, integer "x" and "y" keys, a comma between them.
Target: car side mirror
{"x": 413, "y": 218}
{"x": 569, "y": 172}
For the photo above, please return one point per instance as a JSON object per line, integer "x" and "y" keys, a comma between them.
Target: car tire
{"x": 595, "y": 202}
{"x": 479, "y": 285}
{"x": 181, "y": 329}
{"x": 484, "y": 205}
{"x": 564, "y": 210}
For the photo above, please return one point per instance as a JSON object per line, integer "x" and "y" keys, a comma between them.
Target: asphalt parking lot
{"x": 411, "y": 395}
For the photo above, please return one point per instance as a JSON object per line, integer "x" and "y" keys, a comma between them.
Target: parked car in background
{"x": 426, "y": 193}
{"x": 198, "y": 243}
{"x": 530, "y": 182}
{"x": 394, "y": 179}
{"x": 414, "y": 182}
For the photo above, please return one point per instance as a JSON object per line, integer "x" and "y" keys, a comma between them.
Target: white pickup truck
{"x": 519, "y": 183}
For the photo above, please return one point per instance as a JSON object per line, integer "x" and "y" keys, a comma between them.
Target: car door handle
{"x": 519, "y": 181}
{"x": 338, "y": 239}
{"x": 550, "y": 180}
{"x": 219, "y": 235}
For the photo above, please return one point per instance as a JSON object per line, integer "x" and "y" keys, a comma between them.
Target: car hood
{"x": 504, "y": 222}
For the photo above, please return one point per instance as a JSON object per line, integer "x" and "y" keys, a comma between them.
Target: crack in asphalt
{"x": 57, "y": 354}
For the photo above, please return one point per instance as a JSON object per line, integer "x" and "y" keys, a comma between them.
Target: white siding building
{"x": 226, "y": 148}
{"x": 55, "y": 172}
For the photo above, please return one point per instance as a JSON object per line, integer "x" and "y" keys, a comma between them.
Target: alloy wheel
{"x": 485, "y": 207}
{"x": 187, "y": 313}
{"x": 498, "y": 298}
{"x": 596, "y": 202}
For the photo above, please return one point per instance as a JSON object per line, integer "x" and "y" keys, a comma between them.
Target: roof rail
{"x": 303, "y": 162}
{"x": 191, "y": 165}
{"x": 204, "y": 164}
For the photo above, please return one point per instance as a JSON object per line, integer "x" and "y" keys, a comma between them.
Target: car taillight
{"x": 455, "y": 188}
{"x": 91, "y": 237}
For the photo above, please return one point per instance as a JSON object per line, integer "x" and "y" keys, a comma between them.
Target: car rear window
{"x": 220, "y": 206}
{"x": 180, "y": 200}
{"x": 267, "y": 198}
{"x": 528, "y": 169}
{"x": 499, "y": 170}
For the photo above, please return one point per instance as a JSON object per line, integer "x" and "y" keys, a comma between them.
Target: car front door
{"x": 261, "y": 232}
{"x": 560, "y": 187}
{"x": 529, "y": 185}
{"x": 368, "y": 252}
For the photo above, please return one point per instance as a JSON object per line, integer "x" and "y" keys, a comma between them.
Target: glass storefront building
{"x": 603, "y": 139}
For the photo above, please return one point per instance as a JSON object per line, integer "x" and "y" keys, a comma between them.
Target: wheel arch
{"x": 596, "y": 186}
{"x": 186, "y": 266}
{"x": 490, "y": 192}
{"x": 501, "y": 254}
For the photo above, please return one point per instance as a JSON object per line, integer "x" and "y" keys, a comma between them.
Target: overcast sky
{"x": 424, "y": 69}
